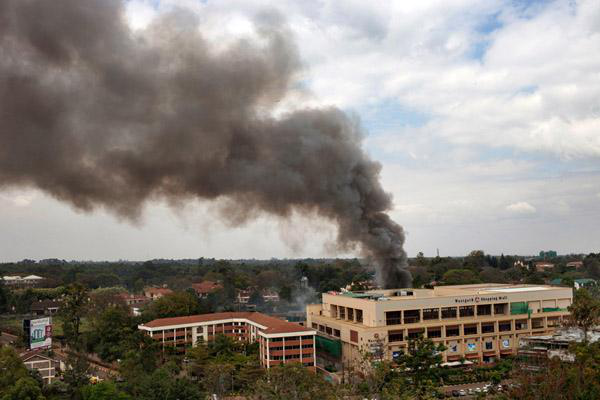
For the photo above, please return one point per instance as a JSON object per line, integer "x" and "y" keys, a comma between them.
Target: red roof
{"x": 205, "y": 287}
{"x": 274, "y": 325}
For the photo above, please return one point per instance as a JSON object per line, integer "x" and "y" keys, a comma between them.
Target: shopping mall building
{"x": 280, "y": 341}
{"x": 479, "y": 323}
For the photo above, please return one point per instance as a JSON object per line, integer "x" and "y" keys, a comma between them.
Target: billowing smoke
{"x": 98, "y": 115}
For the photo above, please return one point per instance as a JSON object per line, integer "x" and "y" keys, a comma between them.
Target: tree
{"x": 3, "y": 298}
{"x": 421, "y": 261}
{"x": 460, "y": 277}
{"x": 173, "y": 305}
{"x": 422, "y": 362}
{"x": 72, "y": 311}
{"x": 166, "y": 383}
{"x": 584, "y": 312}
{"x": 292, "y": 382}
{"x": 103, "y": 391}
{"x": 77, "y": 375}
{"x": 224, "y": 365}
{"x": 12, "y": 369}
{"x": 24, "y": 389}
{"x": 110, "y": 333}
{"x": 504, "y": 263}
{"x": 256, "y": 298}
{"x": 492, "y": 275}
{"x": 475, "y": 260}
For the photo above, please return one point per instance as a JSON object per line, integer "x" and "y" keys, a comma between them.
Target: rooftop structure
{"x": 204, "y": 288}
{"x": 555, "y": 345}
{"x": 280, "y": 341}
{"x": 16, "y": 280}
{"x": 479, "y": 322}
{"x": 154, "y": 293}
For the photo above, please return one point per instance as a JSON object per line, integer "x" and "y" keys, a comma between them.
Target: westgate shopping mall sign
{"x": 477, "y": 299}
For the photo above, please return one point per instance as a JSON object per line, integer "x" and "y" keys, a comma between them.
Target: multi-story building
{"x": 46, "y": 366}
{"x": 479, "y": 322}
{"x": 280, "y": 341}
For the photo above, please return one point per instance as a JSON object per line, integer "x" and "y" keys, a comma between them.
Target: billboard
{"x": 38, "y": 332}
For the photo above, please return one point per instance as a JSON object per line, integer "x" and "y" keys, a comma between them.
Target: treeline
{"x": 478, "y": 267}
{"x": 281, "y": 276}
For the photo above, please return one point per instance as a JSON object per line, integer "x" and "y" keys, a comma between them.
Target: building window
{"x": 359, "y": 316}
{"x": 412, "y": 316}
{"x": 199, "y": 329}
{"x": 537, "y": 323}
{"x": 553, "y": 321}
{"x": 342, "y": 312}
{"x": 431, "y": 313}
{"x": 307, "y": 346}
{"x": 350, "y": 314}
{"x": 393, "y": 318}
{"x": 307, "y": 337}
{"x": 489, "y": 345}
{"x": 328, "y": 330}
{"x": 505, "y": 326}
{"x": 484, "y": 309}
{"x": 315, "y": 326}
{"x": 354, "y": 336}
{"x": 470, "y": 329}
{"x": 500, "y": 309}
{"x": 487, "y": 328}
{"x": 448, "y": 312}
{"x": 395, "y": 336}
{"x": 466, "y": 311}
{"x": 452, "y": 331}
{"x": 415, "y": 334}
{"x": 521, "y": 324}
{"x": 336, "y": 333}
{"x": 434, "y": 332}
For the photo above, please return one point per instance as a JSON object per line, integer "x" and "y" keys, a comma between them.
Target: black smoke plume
{"x": 98, "y": 115}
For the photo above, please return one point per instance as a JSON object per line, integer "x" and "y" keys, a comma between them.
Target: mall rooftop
{"x": 489, "y": 289}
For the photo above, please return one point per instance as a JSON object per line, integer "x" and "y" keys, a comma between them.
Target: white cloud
{"x": 19, "y": 198}
{"x": 522, "y": 207}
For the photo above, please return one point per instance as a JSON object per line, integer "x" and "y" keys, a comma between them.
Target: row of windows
{"x": 326, "y": 329}
{"x": 291, "y": 338}
{"x": 414, "y": 316}
{"x": 436, "y": 332}
{"x": 287, "y": 357}
{"x": 297, "y": 347}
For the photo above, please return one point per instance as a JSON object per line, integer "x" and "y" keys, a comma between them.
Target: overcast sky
{"x": 484, "y": 114}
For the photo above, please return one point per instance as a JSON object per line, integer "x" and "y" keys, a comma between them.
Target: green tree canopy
{"x": 460, "y": 277}
{"x": 24, "y": 389}
{"x": 173, "y": 305}
{"x": 585, "y": 311}
{"x": 103, "y": 391}
{"x": 292, "y": 382}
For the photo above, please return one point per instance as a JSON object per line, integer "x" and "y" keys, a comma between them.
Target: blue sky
{"x": 484, "y": 115}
